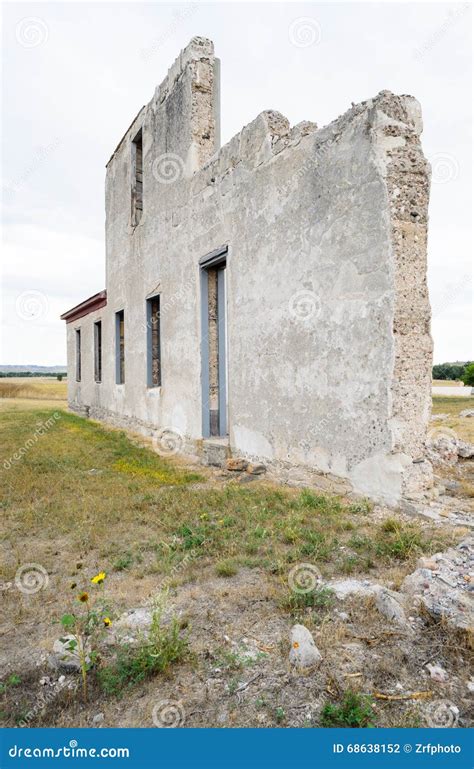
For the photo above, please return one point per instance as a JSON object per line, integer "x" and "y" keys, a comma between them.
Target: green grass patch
{"x": 354, "y": 711}
{"x": 84, "y": 488}
{"x": 163, "y": 647}
{"x": 226, "y": 568}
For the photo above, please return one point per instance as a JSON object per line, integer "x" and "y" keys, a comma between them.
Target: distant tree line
{"x": 7, "y": 374}
{"x": 459, "y": 371}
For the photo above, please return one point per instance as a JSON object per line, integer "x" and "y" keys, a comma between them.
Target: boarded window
{"x": 137, "y": 178}
{"x": 153, "y": 341}
{"x": 98, "y": 351}
{"x": 120, "y": 347}
{"x": 78, "y": 354}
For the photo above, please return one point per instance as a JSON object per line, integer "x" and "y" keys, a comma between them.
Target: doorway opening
{"x": 214, "y": 343}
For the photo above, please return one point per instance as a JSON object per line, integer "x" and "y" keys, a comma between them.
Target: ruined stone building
{"x": 265, "y": 299}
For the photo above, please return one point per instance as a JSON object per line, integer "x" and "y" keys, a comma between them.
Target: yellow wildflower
{"x": 107, "y": 621}
{"x": 99, "y": 578}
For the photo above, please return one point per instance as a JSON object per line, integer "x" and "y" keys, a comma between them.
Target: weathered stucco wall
{"x": 329, "y": 352}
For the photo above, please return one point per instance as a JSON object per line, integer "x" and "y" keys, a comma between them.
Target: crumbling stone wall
{"x": 398, "y": 126}
{"x": 329, "y": 353}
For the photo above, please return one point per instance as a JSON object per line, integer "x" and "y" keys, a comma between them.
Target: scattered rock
{"x": 256, "y": 469}
{"x": 246, "y": 478}
{"x": 135, "y": 619}
{"x": 427, "y": 563}
{"x": 388, "y": 604}
{"x": 437, "y": 673}
{"x": 470, "y": 685}
{"x": 65, "y": 659}
{"x": 467, "y": 413}
{"x": 416, "y": 583}
{"x": 304, "y": 653}
{"x": 236, "y": 464}
{"x": 452, "y": 485}
{"x": 445, "y": 592}
{"x": 465, "y": 450}
{"x": 442, "y": 446}
{"x": 439, "y": 417}
{"x": 98, "y": 718}
{"x": 343, "y": 588}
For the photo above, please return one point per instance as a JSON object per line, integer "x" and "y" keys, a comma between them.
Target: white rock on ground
{"x": 343, "y": 588}
{"x": 437, "y": 673}
{"x": 465, "y": 450}
{"x": 304, "y": 653}
{"x": 135, "y": 619}
{"x": 388, "y": 604}
{"x": 446, "y": 448}
{"x": 63, "y": 658}
{"x": 447, "y": 591}
{"x": 467, "y": 413}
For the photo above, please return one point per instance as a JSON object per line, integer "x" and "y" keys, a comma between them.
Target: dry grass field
{"x": 452, "y": 406}
{"x": 37, "y": 389}
{"x": 81, "y": 498}
{"x": 446, "y": 383}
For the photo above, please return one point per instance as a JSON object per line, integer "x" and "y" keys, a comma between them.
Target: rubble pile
{"x": 444, "y": 585}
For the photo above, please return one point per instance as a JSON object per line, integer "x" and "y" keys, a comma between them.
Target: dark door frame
{"x": 216, "y": 260}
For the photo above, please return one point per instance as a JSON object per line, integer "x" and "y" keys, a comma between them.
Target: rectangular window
{"x": 98, "y": 351}
{"x": 153, "y": 342}
{"x": 78, "y": 354}
{"x": 137, "y": 178}
{"x": 119, "y": 347}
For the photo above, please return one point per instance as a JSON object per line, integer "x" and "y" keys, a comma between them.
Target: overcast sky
{"x": 75, "y": 74}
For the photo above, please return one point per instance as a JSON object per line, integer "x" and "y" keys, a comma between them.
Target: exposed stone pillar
{"x": 397, "y": 124}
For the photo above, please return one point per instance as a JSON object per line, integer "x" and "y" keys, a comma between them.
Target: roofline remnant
{"x": 95, "y": 302}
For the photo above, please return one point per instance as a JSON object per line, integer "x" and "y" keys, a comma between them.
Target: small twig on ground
{"x": 244, "y": 686}
{"x": 414, "y": 696}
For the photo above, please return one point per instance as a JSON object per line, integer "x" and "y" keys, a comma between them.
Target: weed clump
{"x": 163, "y": 647}
{"x": 355, "y": 711}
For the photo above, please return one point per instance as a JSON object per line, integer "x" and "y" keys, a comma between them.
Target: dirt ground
{"x": 218, "y": 548}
